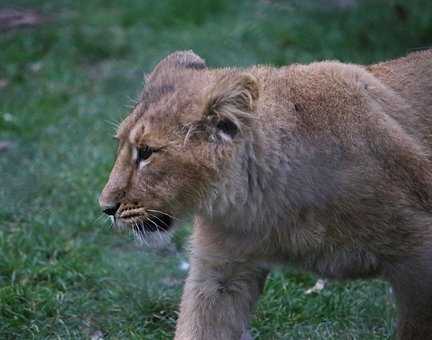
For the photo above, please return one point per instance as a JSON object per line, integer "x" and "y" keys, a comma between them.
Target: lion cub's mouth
{"x": 144, "y": 221}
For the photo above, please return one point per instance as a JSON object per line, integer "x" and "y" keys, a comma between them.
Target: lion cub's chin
{"x": 151, "y": 239}
{"x": 154, "y": 240}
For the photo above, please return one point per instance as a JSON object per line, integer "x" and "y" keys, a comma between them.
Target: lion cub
{"x": 327, "y": 166}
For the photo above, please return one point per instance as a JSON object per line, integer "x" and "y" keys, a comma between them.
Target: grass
{"x": 63, "y": 272}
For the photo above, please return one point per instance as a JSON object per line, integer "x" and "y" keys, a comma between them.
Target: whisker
{"x": 136, "y": 229}
{"x": 141, "y": 233}
{"x": 153, "y": 222}
{"x": 151, "y": 215}
{"x": 163, "y": 213}
{"x": 100, "y": 218}
{"x": 160, "y": 235}
{"x": 112, "y": 123}
{"x": 144, "y": 235}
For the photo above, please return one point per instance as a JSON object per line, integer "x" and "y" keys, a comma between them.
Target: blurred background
{"x": 69, "y": 72}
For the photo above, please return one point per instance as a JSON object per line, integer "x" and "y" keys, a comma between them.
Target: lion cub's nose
{"x": 111, "y": 210}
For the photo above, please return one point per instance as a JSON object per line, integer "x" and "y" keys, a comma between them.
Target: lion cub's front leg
{"x": 218, "y": 298}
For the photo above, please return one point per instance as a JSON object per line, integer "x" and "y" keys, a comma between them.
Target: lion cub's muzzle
{"x": 139, "y": 219}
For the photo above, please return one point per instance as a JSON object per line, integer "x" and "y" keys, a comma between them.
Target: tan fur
{"x": 326, "y": 166}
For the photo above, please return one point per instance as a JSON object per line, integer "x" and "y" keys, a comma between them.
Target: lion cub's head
{"x": 178, "y": 141}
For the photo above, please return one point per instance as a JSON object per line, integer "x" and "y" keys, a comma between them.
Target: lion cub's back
{"x": 337, "y": 98}
{"x": 411, "y": 78}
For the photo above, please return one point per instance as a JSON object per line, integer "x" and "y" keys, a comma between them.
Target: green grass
{"x": 63, "y": 272}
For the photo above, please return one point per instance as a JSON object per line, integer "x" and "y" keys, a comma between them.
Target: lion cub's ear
{"x": 175, "y": 61}
{"x": 231, "y": 103}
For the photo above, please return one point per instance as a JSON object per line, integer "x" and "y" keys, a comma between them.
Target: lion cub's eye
{"x": 141, "y": 155}
{"x": 144, "y": 153}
